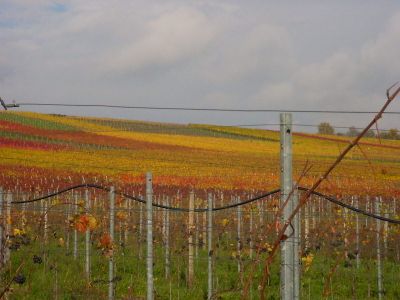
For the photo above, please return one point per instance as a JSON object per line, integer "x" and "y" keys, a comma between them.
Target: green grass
{"x": 59, "y": 274}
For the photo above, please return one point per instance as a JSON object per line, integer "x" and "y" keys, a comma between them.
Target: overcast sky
{"x": 228, "y": 54}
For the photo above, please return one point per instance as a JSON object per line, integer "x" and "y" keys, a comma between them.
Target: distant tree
{"x": 352, "y": 131}
{"x": 325, "y": 128}
{"x": 392, "y": 134}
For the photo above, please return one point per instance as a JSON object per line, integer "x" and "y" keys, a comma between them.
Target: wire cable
{"x": 350, "y": 207}
{"x": 137, "y": 199}
{"x": 273, "y": 192}
{"x": 204, "y": 109}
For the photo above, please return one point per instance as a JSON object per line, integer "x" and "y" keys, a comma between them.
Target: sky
{"x": 338, "y": 55}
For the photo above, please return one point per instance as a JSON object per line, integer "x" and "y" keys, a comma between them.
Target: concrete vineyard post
{"x": 385, "y": 235}
{"x": 357, "y": 236}
{"x": 166, "y": 237}
{"x": 68, "y": 225}
{"x": 75, "y": 231}
{"x": 239, "y": 235}
{"x": 7, "y": 252}
{"x": 149, "y": 226}
{"x": 296, "y": 247}
{"x": 251, "y": 231}
{"x": 23, "y": 216}
{"x": 45, "y": 220}
{"x": 87, "y": 238}
{"x": 366, "y": 209}
{"x": 111, "y": 260}
{"x": 44, "y": 216}
{"x": 394, "y": 216}
{"x": 210, "y": 251}
{"x": 306, "y": 226}
{"x": 140, "y": 229}
{"x": 1, "y": 229}
{"x": 319, "y": 210}
{"x": 190, "y": 239}
{"x": 287, "y": 250}
{"x": 164, "y": 229}
{"x": 204, "y": 231}
{"x": 197, "y": 236}
{"x": 261, "y": 210}
{"x": 378, "y": 248}
{"x": 128, "y": 214}
{"x": 119, "y": 209}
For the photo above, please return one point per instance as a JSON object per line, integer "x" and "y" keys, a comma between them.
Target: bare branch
{"x": 308, "y": 193}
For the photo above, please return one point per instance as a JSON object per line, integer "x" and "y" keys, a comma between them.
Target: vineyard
{"x": 73, "y": 211}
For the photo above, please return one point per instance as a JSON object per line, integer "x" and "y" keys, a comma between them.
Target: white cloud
{"x": 381, "y": 56}
{"x": 167, "y": 39}
{"x": 275, "y": 95}
{"x": 192, "y": 53}
{"x": 345, "y": 77}
{"x": 265, "y": 48}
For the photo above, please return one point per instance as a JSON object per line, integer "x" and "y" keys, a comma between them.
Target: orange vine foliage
{"x": 47, "y": 152}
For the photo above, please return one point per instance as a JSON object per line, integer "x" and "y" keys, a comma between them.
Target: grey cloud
{"x": 208, "y": 53}
{"x": 354, "y": 80}
{"x": 167, "y": 39}
{"x": 265, "y": 49}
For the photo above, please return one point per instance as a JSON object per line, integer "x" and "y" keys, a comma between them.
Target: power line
{"x": 208, "y": 109}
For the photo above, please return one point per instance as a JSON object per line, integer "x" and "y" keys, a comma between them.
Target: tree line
{"x": 391, "y": 134}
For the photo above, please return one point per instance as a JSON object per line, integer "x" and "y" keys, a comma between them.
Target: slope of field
{"x": 61, "y": 150}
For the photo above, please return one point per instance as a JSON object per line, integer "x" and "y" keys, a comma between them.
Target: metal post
{"x": 378, "y": 248}
{"x": 204, "y": 231}
{"x": 262, "y": 213}
{"x": 296, "y": 247}
{"x": 87, "y": 238}
{"x": 197, "y": 237}
{"x": 111, "y": 261}
{"x": 367, "y": 208}
{"x": 23, "y": 217}
{"x": 167, "y": 262}
{"x": 357, "y": 236}
{"x": 385, "y": 235}
{"x": 140, "y": 229}
{"x": 190, "y": 240}
{"x": 210, "y": 251}
{"x": 126, "y": 228}
{"x": 306, "y": 217}
{"x": 7, "y": 253}
{"x": 287, "y": 253}
{"x": 239, "y": 235}
{"x": 149, "y": 209}
{"x": 1, "y": 229}
{"x": 67, "y": 232}
{"x": 45, "y": 220}
{"x": 251, "y": 231}
{"x": 75, "y": 231}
